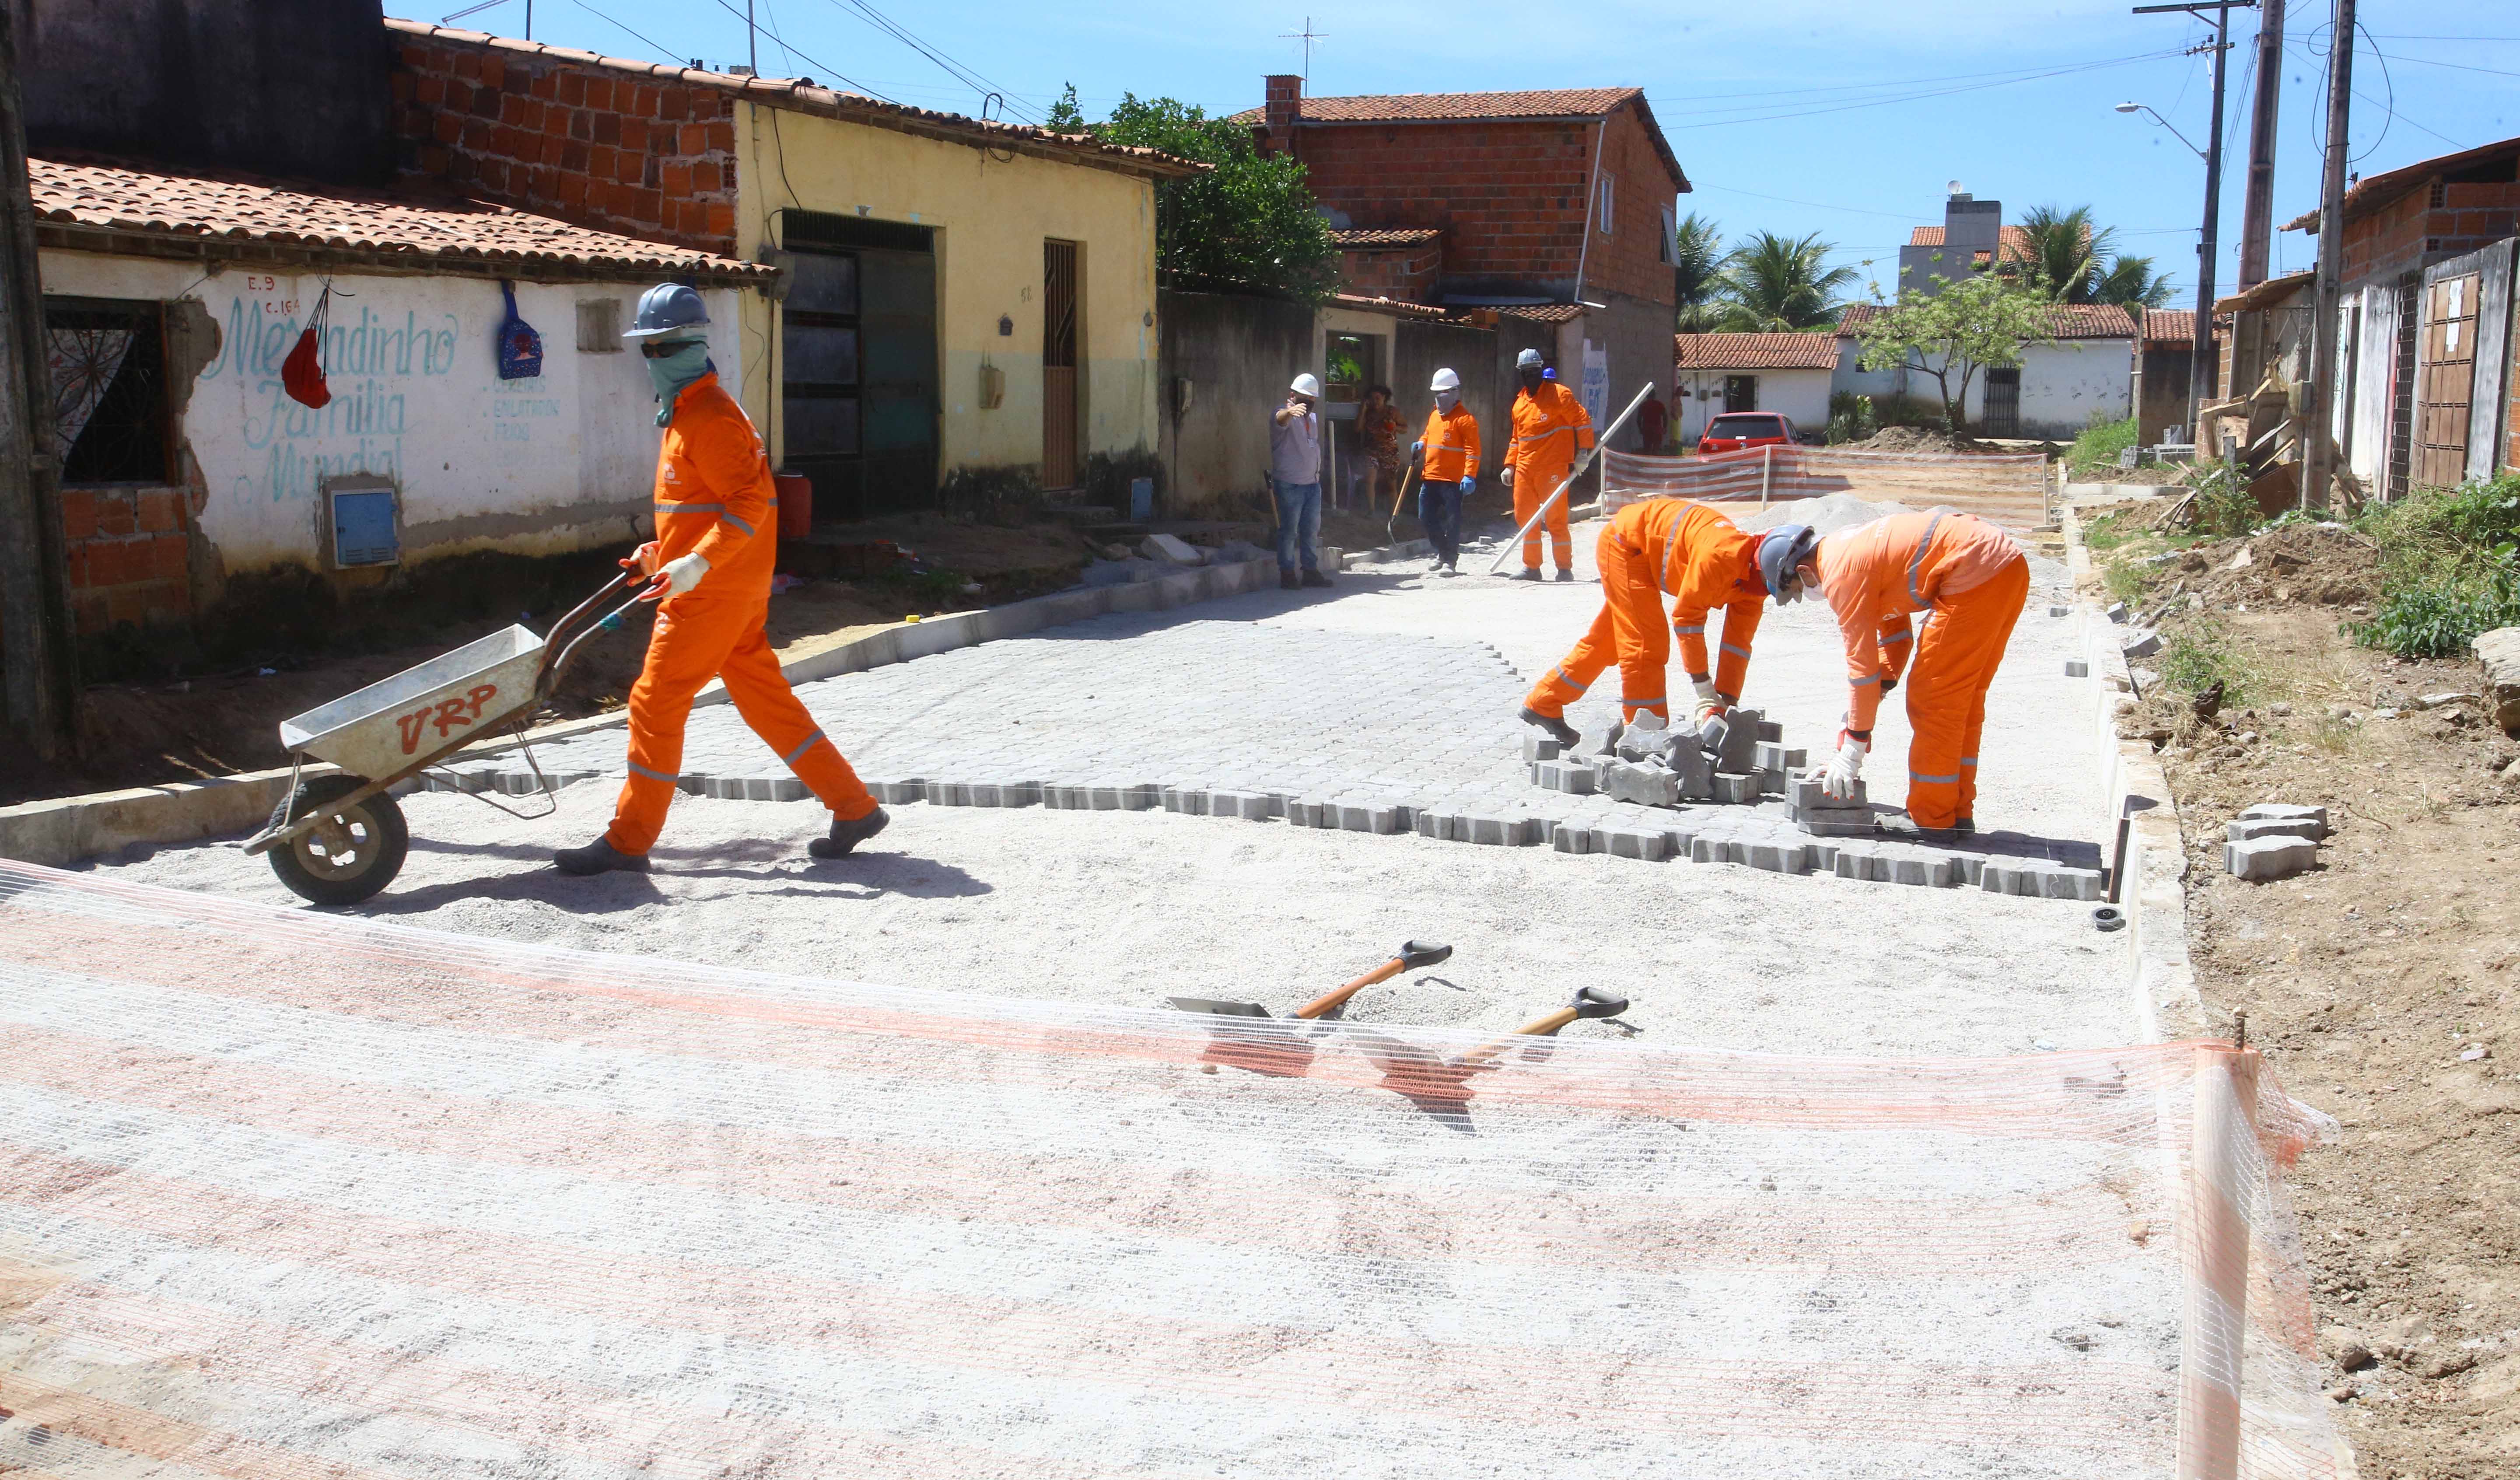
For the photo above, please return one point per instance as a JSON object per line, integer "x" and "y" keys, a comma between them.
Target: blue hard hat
{"x": 1782, "y": 553}
{"x": 669, "y": 309}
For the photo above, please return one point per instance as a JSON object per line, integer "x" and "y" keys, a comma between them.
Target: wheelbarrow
{"x": 339, "y": 839}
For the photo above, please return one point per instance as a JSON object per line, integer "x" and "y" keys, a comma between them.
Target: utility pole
{"x": 2315, "y": 441}
{"x": 39, "y": 697}
{"x": 2200, "y": 364}
{"x": 752, "y": 41}
{"x": 2256, "y": 215}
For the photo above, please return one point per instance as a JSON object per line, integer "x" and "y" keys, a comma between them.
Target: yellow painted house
{"x": 957, "y": 295}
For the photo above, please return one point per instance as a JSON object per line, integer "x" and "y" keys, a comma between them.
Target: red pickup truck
{"x": 1737, "y": 429}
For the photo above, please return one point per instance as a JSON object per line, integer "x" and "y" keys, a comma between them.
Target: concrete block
{"x": 1862, "y": 861}
{"x": 2141, "y": 641}
{"x": 1807, "y": 796}
{"x": 1770, "y": 731}
{"x": 1972, "y": 866}
{"x": 2061, "y": 882}
{"x": 1772, "y": 755}
{"x": 1737, "y": 789}
{"x": 1648, "y": 786}
{"x": 1537, "y": 747}
{"x": 2499, "y": 654}
{"x": 1146, "y": 796}
{"x": 1183, "y": 589}
{"x": 1505, "y": 831}
{"x": 1633, "y": 842}
{"x": 2265, "y": 858}
{"x": 1779, "y": 858}
{"x": 2117, "y": 611}
{"x": 1741, "y": 744}
{"x": 2057, "y": 610}
{"x": 1189, "y": 802}
{"x": 1709, "y": 848}
{"x": 1773, "y": 783}
{"x": 1566, "y": 837}
{"x": 2316, "y": 816}
{"x": 1570, "y": 776}
{"x": 1827, "y": 824}
{"x": 1165, "y": 547}
{"x": 2244, "y": 828}
{"x": 1250, "y": 806}
{"x": 1696, "y": 771}
{"x": 2077, "y": 668}
{"x": 1822, "y": 855}
{"x": 1369, "y": 817}
{"x": 1020, "y": 793}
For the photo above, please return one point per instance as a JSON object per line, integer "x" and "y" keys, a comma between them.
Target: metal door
{"x": 857, "y": 370}
{"x": 2445, "y": 383}
{"x": 898, "y": 330}
{"x": 1059, "y": 366}
{"x": 1740, "y": 394}
{"x": 2002, "y": 417}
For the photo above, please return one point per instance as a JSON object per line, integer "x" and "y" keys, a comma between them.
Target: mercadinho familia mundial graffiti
{"x": 375, "y": 363}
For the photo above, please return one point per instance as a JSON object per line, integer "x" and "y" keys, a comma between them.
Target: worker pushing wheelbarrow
{"x": 339, "y": 839}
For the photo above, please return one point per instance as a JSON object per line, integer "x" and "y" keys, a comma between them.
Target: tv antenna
{"x": 1307, "y": 36}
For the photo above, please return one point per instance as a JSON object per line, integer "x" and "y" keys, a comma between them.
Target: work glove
{"x": 1418, "y": 448}
{"x": 1845, "y": 768}
{"x": 677, "y": 576}
{"x": 1705, "y": 688}
{"x": 643, "y": 561}
{"x": 1508, "y": 477}
{"x": 1469, "y": 486}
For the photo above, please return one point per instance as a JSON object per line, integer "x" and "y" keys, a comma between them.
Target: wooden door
{"x": 2445, "y": 383}
{"x": 1060, "y": 334}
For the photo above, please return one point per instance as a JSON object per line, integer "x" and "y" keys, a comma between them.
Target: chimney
{"x": 1970, "y": 226}
{"x": 1285, "y": 102}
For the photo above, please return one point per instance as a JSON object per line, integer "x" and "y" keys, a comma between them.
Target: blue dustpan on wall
{"x": 521, "y": 350}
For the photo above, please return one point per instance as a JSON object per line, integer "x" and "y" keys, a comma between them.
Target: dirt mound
{"x": 2297, "y": 566}
{"x": 1825, "y": 514}
{"x": 1919, "y": 439}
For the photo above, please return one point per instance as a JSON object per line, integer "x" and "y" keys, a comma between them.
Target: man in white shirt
{"x": 1295, "y": 476}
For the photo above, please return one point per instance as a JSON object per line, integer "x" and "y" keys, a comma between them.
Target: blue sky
{"x": 1791, "y": 115}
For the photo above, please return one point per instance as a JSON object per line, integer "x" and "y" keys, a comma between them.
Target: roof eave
{"x": 220, "y": 248}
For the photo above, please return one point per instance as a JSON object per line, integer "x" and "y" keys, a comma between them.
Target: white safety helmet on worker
{"x": 1307, "y": 385}
{"x": 1445, "y": 379}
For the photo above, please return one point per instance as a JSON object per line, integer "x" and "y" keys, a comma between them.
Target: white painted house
{"x": 1717, "y": 373}
{"x": 2081, "y": 369}
{"x": 172, "y": 302}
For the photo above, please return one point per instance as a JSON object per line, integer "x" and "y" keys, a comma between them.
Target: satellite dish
{"x": 1954, "y": 186}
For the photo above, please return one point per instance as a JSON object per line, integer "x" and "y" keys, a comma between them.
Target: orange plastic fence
{"x": 2008, "y": 488}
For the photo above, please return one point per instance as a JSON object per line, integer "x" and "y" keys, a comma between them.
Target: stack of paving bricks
{"x": 2270, "y": 841}
{"x": 1664, "y": 768}
{"x": 1824, "y": 815}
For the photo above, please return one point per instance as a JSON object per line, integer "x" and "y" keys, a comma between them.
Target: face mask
{"x": 1531, "y": 380}
{"x": 671, "y": 374}
{"x": 1446, "y": 400}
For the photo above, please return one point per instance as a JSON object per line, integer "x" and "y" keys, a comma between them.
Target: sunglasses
{"x": 658, "y": 351}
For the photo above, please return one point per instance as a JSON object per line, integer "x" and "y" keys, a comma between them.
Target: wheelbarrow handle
{"x": 560, "y": 643}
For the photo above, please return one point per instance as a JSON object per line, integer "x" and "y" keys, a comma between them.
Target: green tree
{"x": 1982, "y": 322}
{"x": 1698, "y": 273}
{"x": 1247, "y": 222}
{"x": 1775, "y": 284}
{"x": 2074, "y": 261}
{"x": 1066, "y": 116}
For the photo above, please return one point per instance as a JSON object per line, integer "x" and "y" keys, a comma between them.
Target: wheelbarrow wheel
{"x": 356, "y": 851}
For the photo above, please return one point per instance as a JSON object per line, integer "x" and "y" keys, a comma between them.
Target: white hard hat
{"x": 1306, "y": 385}
{"x": 1445, "y": 379}
{"x": 1529, "y": 359}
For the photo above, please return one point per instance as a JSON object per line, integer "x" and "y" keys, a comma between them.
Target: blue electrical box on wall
{"x": 365, "y": 528}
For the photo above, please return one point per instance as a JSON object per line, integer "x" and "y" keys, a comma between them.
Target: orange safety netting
{"x": 291, "y": 1194}
{"x": 2008, "y": 488}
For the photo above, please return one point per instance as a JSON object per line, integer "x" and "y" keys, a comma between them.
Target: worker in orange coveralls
{"x": 717, "y": 537}
{"x": 1549, "y": 425}
{"x": 1974, "y": 580}
{"x": 1650, "y": 547}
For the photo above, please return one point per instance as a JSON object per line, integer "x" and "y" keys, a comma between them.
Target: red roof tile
{"x": 1367, "y": 236}
{"x": 1543, "y": 313}
{"x": 801, "y": 96}
{"x": 2170, "y": 326}
{"x": 1754, "y": 351}
{"x": 1398, "y": 308}
{"x": 325, "y": 218}
{"x": 2012, "y": 240}
{"x": 1571, "y": 103}
{"x": 2065, "y": 321}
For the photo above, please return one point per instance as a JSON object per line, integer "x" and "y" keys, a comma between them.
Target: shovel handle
{"x": 1329, "y": 1001}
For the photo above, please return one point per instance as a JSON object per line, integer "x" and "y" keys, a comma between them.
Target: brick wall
{"x": 1406, "y": 272}
{"x": 1510, "y": 197}
{"x": 2412, "y": 231}
{"x": 1629, "y": 258}
{"x": 128, "y": 549}
{"x": 622, "y": 152}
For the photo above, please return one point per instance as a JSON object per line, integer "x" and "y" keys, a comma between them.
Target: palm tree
{"x": 2074, "y": 262}
{"x": 1698, "y": 273}
{"x": 1776, "y": 284}
{"x": 2131, "y": 280}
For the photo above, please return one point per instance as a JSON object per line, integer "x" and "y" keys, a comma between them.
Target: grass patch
{"x": 2124, "y": 580}
{"x": 2204, "y": 655}
{"x": 2099, "y": 444}
{"x": 2450, "y": 567}
{"x": 2223, "y": 508}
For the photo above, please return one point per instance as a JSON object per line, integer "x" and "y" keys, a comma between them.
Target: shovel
{"x": 1428, "y": 1077}
{"x": 1248, "y": 1038}
{"x": 1391, "y": 525}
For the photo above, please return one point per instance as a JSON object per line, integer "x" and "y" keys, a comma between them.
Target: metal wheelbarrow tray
{"x": 339, "y": 840}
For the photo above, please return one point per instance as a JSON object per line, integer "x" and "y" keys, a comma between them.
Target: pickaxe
{"x": 1437, "y": 1082}
{"x": 1249, "y": 1038}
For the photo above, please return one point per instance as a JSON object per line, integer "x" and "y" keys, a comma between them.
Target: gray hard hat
{"x": 1529, "y": 359}
{"x": 669, "y": 310}
{"x": 1782, "y": 553}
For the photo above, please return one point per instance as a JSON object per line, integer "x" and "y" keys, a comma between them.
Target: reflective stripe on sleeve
{"x": 1735, "y": 652}
{"x": 1915, "y": 774}
{"x": 737, "y": 523}
{"x": 811, "y": 740}
{"x": 1897, "y": 638}
{"x": 1918, "y": 563}
{"x": 1858, "y": 683}
{"x": 1690, "y": 629}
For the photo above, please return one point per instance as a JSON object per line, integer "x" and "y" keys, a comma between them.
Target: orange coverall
{"x": 1974, "y": 579}
{"x": 1649, "y": 548}
{"x": 714, "y": 496}
{"x": 1549, "y": 425}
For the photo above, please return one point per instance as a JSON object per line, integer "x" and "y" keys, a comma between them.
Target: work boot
{"x": 1966, "y": 827}
{"x": 1529, "y": 573}
{"x": 1451, "y": 566}
{"x": 1558, "y": 729}
{"x": 1564, "y": 575}
{"x": 1316, "y": 578}
{"x": 847, "y": 833}
{"x": 1901, "y": 826}
{"x": 599, "y": 857}
{"x": 1286, "y": 581}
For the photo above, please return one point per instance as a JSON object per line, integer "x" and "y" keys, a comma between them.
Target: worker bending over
{"x": 717, "y": 536}
{"x": 1448, "y": 469}
{"x": 1549, "y": 426}
{"x": 1702, "y": 561}
{"x": 1974, "y": 580}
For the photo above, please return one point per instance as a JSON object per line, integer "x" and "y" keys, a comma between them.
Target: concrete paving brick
{"x": 1769, "y": 730}
{"x": 2077, "y": 668}
{"x": 1570, "y": 839}
{"x": 1539, "y": 747}
{"x": 1649, "y": 785}
{"x": 2241, "y": 829}
{"x": 2316, "y": 817}
{"x": 1740, "y": 754}
{"x": 1635, "y": 842}
{"x": 2260, "y": 859}
{"x": 1737, "y": 790}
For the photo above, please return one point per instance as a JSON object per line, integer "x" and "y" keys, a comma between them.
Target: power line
{"x": 810, "y": 62}
{"x": 1751, "y": 115}
{"x": 659, "y": 47}
{"x": 953, "y": 69}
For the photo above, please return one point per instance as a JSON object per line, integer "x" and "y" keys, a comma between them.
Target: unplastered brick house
{"x": 2426, "y": 353}
{"x": 1550, "y": 212}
